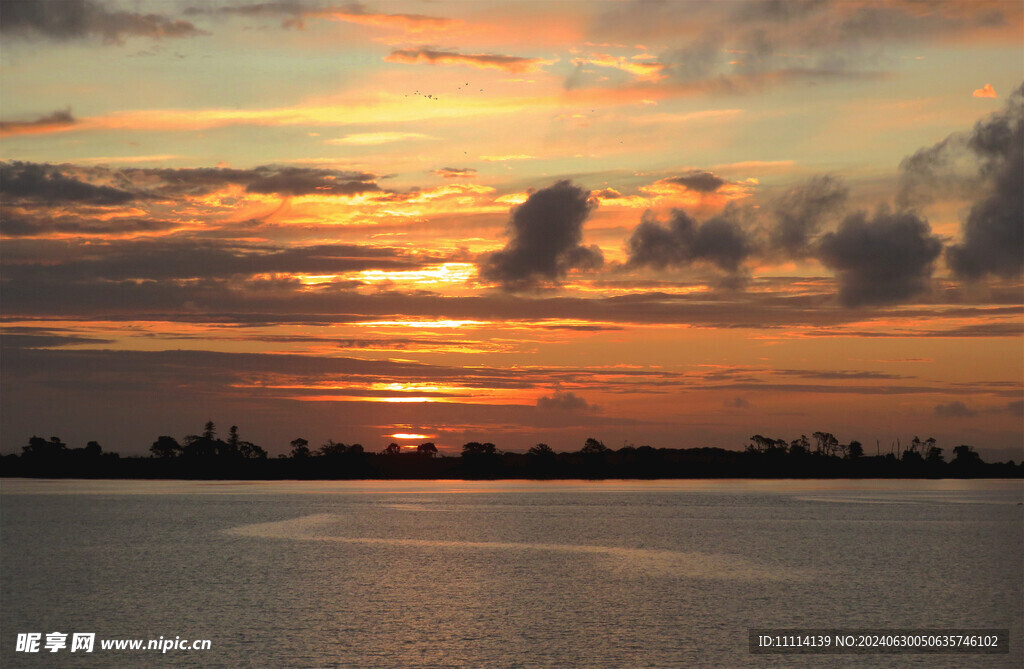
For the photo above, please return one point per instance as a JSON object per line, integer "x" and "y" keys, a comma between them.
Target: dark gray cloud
{"x": 58, "y": 119}
{"x": 49, "y": 185}
{"x": 455, "y": 172}
{"x": 702, "y": 182}
{"x": 838, "y": 375}
{"x": 162, "y": 260}
{"x": 254, "y": 9}
{"x": 297, "y": 12}
{"x": 46, "y": 184}
{"x": 983, "y": 330}
{"x": 993, "y": 233}
{"x": 800, "y": 212}
{"x": 33, "y": 337}
{"x": 564, "y": 401}
{"x": 777, "y": 10}
{"x": 719, "y": 240}
{"x": 731, "y": 47}
{"x": 697, "y": 61}
{"x": 265, "y": 179}
{"x": 546, "y": 233}
{"x": 886, "y": 259}
{"x": 309, "y": 181}
{"x": 875, "y": 22}
{"x": 946, "y": 169}
{"x": 986, "y": 167}
{"x": 75, "y": 19}
{"x": 451, "y": 57}
{"x": 954, "y": 410}
{"x": 16, "y": 223}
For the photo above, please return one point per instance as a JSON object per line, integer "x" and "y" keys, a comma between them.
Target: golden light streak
{"x": 488, "y": 400}
{"x": 374, "y": 138}
{"x": 513, "y": 198}
{"x": 642, "y": 71}
{"x": 100, "y": 160}
{"x": 506, "y": 158}
{"x": 412, "y": 23}
{"x": 438, "y": 323}
{"x": 374, "y": 108}
{"x": 440, "y": 274}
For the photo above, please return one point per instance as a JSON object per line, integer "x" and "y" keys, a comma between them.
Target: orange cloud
{"x": 55, "y": 122}
{"x": 412, "y": 23}
{"x": 514, "y": 64}
{"x": 985, "y": 92}
{"x": 374, "y": 138}
{"x": 642, "y": 71}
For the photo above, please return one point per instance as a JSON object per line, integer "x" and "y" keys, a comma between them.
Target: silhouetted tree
{"x": 92, "y": 450}
{"x": 249, "y": 450}
{"x": 765, "y": 444}
{"x": 799, "y": 446}
{"x": 964, "y": 455}
{"x": 392, "y": 449}
{"x": 202, "y": 446}
{"x": 541, "y": 451}
{"x": 826, "y": 443}
{"x": 165, "y": 447}
{"x": 209, "y": 431}
{"x": 233, "y": 442}
{"x": 854, "y": 450}
{"x": 593, "y": 447}
{"x": 475, "y": 448}
{"x": 300, "y": 448}
{"x": 332, "y": 449}
{"x": 40, "y": 448}
{"x": 912, "y": 455}
{"x": 427, "y": 449}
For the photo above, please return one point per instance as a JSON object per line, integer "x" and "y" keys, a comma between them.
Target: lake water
{"x": 504, "y": 574}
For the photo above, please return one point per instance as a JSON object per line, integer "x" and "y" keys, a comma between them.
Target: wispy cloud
{"x": 374, "y": 138}
{"x": 75, "y": 19}
{"x": 55, "y": 122}
{"x": 432, "y": 56}
{"x": 296, "y": 13}
{"x": 455, "y": 172}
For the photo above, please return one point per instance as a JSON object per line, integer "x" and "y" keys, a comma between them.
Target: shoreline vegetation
{"x": 207, "y": 457}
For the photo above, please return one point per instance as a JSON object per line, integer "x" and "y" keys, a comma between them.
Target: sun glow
{"x": 440, "y": 323}
{"x": 449, "y": 272}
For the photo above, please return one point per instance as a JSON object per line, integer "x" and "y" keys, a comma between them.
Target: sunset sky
{"x": 666, "y": 223}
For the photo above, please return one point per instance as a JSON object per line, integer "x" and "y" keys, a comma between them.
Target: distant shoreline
{"x": 673, "y": 465}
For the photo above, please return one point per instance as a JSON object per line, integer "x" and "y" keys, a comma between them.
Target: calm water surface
{"x": 504, "y": 574}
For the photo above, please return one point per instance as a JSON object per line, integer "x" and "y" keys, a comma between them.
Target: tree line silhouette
{"x": 205, "y": 456}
